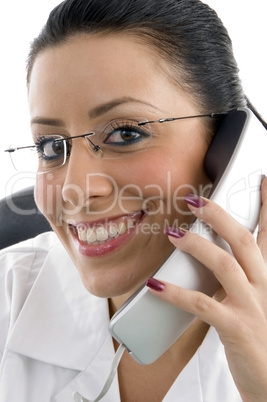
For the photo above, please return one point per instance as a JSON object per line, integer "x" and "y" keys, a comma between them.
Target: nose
{"x": 86, "y": 179}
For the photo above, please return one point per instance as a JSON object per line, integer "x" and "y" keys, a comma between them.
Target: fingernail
{"x": 154, "y": 284}
{"x": 195, "y": 200}
{"x": 174, "y": 232}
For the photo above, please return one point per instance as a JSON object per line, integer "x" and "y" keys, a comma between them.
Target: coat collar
{"x": 60, "y": 320}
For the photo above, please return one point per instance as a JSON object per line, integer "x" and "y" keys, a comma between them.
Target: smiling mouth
{"x": 101, "y": 233}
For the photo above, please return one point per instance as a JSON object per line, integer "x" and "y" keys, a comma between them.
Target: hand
{"x": 241, "y": 317}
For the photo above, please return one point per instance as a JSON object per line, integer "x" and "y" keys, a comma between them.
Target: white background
{"x": 21, "y": 21}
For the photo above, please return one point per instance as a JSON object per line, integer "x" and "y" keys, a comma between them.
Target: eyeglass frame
{"x": 141, "y": 123}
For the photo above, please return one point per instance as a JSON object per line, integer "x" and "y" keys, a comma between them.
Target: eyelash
{"x": 121, "y": 126}
{"x": 40, "y": 143}
{"x": 41, "y": 139}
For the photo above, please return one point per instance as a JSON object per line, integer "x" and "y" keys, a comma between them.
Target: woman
{"x": 96, "y": 71}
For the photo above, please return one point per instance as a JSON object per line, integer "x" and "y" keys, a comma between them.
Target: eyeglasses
{"x": 114, "y": 140}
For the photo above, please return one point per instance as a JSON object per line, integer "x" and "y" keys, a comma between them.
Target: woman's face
{"x": 85, "y": 82}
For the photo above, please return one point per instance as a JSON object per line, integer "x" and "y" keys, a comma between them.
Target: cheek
{"x": 48, "y": 197}
{"x": 163, "y": 179}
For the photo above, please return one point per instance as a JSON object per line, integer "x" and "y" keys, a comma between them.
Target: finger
{"x": 262, "y": 234}
{"x": 241, "y": 241}
{"x": 223, "y": 265}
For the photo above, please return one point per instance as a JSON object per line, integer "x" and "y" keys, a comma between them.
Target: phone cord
{"x": 113, "y": 369}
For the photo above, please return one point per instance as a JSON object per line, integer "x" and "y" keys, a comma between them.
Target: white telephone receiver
{"x": 236, "y": 163}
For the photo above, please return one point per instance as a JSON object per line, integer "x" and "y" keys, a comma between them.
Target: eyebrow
{"x": 106, "y": 107}
{"x": 93, "y": 113}
{"x": 47, "y": 121}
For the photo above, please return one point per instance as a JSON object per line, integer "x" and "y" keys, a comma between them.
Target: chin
{"x": 111, "y": 287}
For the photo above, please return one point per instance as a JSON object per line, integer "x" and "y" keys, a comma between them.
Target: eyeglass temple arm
{"x": 15, "y": 149}
{"x": 142, "y": 123}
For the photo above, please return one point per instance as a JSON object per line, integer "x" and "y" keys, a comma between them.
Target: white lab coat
{"x": 54, "y": 337}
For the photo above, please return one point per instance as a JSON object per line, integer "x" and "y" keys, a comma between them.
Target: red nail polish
{"x": 174, "y": 232}
{"x": 195, "y": 200}
{"x": 154, "y": 284}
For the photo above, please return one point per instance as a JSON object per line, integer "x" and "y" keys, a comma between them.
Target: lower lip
{"x": 92, "y": 250}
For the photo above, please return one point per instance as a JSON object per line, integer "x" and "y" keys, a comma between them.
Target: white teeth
{"x": 94, "y": 235}
{"x": 101, "y": 233}
{"x": 122, "y": 227}
{"x": 130, "y": 223}
{"x": 112, "y": 230}
{"x": 83, "y": 235}
{"x": 91, "y": 235}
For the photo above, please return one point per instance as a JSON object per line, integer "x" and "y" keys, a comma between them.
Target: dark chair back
{"x": 20, "y": 219}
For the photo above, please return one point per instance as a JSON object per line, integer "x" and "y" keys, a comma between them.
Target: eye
{"x": 124, "y": 133}
{"x": 50, "y": 148}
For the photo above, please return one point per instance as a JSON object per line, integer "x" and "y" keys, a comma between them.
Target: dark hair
{"x": 187, "y": 33}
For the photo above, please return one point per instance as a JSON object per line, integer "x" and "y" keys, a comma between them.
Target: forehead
{"x": 97, "y": 69}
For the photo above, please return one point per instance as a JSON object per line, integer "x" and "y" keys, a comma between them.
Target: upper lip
{"x": 106, "y": 220}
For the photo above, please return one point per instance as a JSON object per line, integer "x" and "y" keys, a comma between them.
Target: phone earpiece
{"x": 224, "y": 144}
